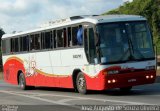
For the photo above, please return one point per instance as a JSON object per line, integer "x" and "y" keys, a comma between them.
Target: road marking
{"x": 35, "y": 96}
{"x": 67, "y": 100}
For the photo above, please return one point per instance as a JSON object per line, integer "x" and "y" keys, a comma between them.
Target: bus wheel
{"x": 126, "y": 89}
{"x": 81, "y": 83}
{"x": 22, "y": 81}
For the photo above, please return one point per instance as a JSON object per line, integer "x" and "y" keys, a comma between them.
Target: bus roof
{"x": 78, "y": 19}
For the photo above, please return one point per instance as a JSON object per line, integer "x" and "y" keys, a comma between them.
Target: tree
{"x": 1, "y": 34}
{"x": 147, "y": 8}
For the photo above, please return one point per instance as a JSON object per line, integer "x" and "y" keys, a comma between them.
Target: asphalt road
{"x": 49, "y": 99}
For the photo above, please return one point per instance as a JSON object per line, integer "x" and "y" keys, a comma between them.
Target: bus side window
{"x": 6, "y": 46}
{"x": 12, "y": 45}
{"x": 35, "y": 42}
{"x": 64, "y": 37}
{"x": 69, "y": 36}
{"x": 42, "y": 40}
{"x": 51, "y": 39}
{"x": 60, "y": 38}
{"x": 79, "y": 35}
{"x": 54, "y": 39}
{"x": 86, "y": 41}
{"x": 74, "y": 35}
{"x": 89, "y": 44}
{"x": 16, "y": 44}
{"x": 26, "y": 43}
{"x": 47, "y": 40}
{"x": 31, "y": 42}
{"x": 92, "y": 50}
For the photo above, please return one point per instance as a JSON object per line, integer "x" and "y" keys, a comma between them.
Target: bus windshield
{"x": 125, "y": 41}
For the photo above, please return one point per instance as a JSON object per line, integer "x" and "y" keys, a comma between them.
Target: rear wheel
{"x": 126, "y": 89}
{"x": 81, "y": 83}
{"x": 22, "y": 81}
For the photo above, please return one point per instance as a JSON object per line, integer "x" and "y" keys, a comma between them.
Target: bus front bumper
{"x": 129, "y": 79}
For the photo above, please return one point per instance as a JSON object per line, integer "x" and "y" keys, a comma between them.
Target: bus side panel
{"x": 11, "y": 68}
{"x": 9, "y": 71}
{"x": 49, "y": 81}
{"x": 131, "y": 79}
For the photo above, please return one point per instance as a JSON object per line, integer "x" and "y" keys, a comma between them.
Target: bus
{"x": 117, "y": 51}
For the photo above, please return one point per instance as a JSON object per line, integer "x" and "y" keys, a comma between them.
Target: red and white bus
{"x": 117, "y": 52}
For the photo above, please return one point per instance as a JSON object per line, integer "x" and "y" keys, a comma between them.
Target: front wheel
{"x": 81, "y": 83}
{"x": 22, "y": 81}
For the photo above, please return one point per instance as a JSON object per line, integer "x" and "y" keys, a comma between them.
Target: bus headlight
{"x": 151, "y": 76}
{"x": 147, "y": 77}
{"x": 111, "y": 81}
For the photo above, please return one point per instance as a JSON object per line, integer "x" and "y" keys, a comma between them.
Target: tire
{"x": 126, "y": 89}
{"x": 22, "y": 82}
{"x": 81, "y": 83}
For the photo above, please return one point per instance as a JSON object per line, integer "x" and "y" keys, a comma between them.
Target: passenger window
{"x": 74, "y": 35}
{"x": 60, "y": 38}
{"x": 6, "y": 46}
{"x": 35, "y": 42}
{"x": 54, "y": 39}
{"x": 64, "y": 38}
{"x": 12, "y": 45}
{"x": 69, "y": 37}
{"x": 16, "y": 45}
{"x": 47, "y": 40}
{"x": 24, "y": 43}
{"x": 79, "y": 36}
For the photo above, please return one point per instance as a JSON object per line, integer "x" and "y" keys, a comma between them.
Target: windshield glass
{"x": 126, "y": 41}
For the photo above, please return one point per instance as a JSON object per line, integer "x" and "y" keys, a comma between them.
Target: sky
{"x": 21, "y": 15}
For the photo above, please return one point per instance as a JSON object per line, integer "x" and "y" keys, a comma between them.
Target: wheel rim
{"x": 81, "y": 83}
{"x": 21, "y": 81}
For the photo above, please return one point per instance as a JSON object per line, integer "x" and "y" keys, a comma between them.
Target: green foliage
{"x": 147, "y": 8}
{"x": 1, "y": 34}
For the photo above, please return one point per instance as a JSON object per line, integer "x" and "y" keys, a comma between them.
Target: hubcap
{"x": 81, "y": 83}
{"x": 21, "y": 81}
